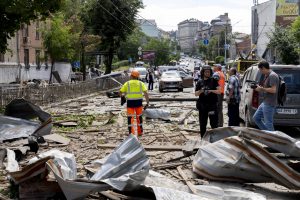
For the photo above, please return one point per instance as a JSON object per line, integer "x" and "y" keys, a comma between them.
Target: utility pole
{"x": 225, "y": 45}
{"x": 18, "y": 56}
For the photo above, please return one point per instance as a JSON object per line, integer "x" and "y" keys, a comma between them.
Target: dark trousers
{"x": 150, "y": 85}
{"x": 220, "y": 110}
{"x": 233, "y": 114}
{"x": 205, "y": 112}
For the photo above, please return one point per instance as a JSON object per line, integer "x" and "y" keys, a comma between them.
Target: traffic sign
{"x": 205, "y": 41}
{"x": 227, "y": 46}
{"x": 140, "y": 52}
{"x": 140, "y": 48}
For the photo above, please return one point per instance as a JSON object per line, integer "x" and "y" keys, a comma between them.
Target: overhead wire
{"x": 115, "y": 17}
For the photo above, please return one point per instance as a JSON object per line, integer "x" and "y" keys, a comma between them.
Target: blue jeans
{"x": 263, "y": 117}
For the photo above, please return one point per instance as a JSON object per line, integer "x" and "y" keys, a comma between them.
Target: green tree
{"x": 212, "y": 48}
{"x": 161, "y": 48}
{"x": 219, "y": 59}
{"x": 59, "y": 40}
{"x": 285, "y": 43}
{"x": 13, "y": 13}
{"x": 129, "y": 47}
{"x": 113, "y": 21}
{"x": 202, "y": 49}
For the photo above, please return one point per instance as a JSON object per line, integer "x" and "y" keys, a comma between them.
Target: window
{"x": 25, "y": 30}
{"x": 37, "y": 58}
{"x": 1, "y": 57}
{"x": 291, "y": 79}
{"x": 26, "y": 57}
{"x": 37, "y": 32}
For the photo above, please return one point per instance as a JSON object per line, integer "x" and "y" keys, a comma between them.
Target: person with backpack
{"x": 264, "y": 115}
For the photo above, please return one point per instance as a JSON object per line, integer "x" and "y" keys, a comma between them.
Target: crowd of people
{"x": 210, "y": 87}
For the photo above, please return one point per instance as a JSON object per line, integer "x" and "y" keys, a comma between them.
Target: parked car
{"x": 286, "y": 115}
{"x": 170, "y": 80}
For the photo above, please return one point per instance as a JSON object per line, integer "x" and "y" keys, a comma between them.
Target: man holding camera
{"x": 207, "y": 89}
{"x": 263, "y": 117}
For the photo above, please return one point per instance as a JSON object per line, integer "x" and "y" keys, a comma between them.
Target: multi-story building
{"x": 26, "y": 47}
{"x": 220, "y": 24}
{"x": 149, "y": 27}
{"x": 187, "y": 34}
{"x": 26, "y": 59}
{"x": 264, "y": 18}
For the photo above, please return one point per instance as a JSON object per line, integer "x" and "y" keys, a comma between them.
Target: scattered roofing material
{"x": 243, "y": 158}
{"x": 16, "y": 123}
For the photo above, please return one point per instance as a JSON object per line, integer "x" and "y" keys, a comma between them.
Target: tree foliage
{"x": 13, "y": 13}
{"x": 113, "y": 21}
{"x": 285, "y": 43}
{"x": 129, "y": 47}
{"x": 59, "y": 39}
{"x": 161, "y": 48}
{"x": 295, "y": 28}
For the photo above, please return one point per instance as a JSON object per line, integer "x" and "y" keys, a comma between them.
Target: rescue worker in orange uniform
{"x": 220, "y": 77}
{"x": 134, "y": 90}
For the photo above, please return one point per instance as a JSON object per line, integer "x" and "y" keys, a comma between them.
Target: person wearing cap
{"x": 134, "y": 90}
{"x": 220, "y": 77}
{"x": 207, "y": 90}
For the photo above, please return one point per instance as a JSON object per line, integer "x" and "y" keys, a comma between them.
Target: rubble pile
{"x": 80, "y": 149}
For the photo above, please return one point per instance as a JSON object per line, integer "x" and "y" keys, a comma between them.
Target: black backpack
{"x": 282, "y": 90}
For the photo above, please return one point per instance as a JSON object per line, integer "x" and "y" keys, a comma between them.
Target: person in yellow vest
{"x": 134, "y": 90}
{"x": 220, "y": 77}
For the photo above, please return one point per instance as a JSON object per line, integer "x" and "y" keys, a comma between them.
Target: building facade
{"x": 26, "y": 47}
{"x": 149, "y": 27}
{"x": 187, "y": 34}
{"x": 264, "y": 18}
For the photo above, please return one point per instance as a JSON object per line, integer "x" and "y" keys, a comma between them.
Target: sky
{"x": 168, "y": 13}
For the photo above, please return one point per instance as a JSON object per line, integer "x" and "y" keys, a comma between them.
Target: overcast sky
{"x": 168, "y": 13}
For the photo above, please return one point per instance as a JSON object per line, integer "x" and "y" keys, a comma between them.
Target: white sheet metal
{"x": 126, "y": 167}
{"x": 157, "y": 114}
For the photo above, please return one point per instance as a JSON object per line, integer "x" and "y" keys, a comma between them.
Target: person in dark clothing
{"x": 233, "y": 98}
{"x": 207, "y": 89}
{"x": 150, "y": 79}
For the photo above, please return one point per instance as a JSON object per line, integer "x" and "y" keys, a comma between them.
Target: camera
{"x": 253, "y": 85}
{"x": 205, "y": 90}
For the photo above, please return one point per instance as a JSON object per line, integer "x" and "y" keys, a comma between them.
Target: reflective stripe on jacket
{"x": 134, "y": 93}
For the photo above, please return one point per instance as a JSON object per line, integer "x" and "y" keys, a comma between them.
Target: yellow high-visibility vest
{"x": 133, "y": 89}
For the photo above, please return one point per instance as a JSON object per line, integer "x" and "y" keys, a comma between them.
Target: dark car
{"x": 286, "y": 115}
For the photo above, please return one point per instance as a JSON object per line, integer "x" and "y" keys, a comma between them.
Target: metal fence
{"x": 55, "y": 93}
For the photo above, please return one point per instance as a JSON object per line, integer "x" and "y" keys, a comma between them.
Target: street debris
{"x": 243, "y": 158}
{"x": 157, "y": 114}
{"x": 95, "y": 158}
{"x": 16, "y": 124}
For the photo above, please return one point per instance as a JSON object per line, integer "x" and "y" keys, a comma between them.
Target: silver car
{"x": 286, "y": 115}
{"x": 170, "y": 80}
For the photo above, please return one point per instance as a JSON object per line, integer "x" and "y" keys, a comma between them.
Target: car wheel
{"x": 160, "y": 89}
{"x": 247, "y": 119}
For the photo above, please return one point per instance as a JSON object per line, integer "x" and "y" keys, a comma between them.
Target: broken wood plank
{"x": 151, "y": 141}
{"x": 188, "y": 183}
{"x": 192, "y": 131}
{"x": 168, "y": 165}
{"x": 171, "y": 99}
{"x": 173, "y": 174}
{"x": 187, "y": 115}
{"x": 147, "y": 147}
{"x": 178, "y": 158}
{"x": 183, "y": 134}
{"x": 57, "y": 138}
